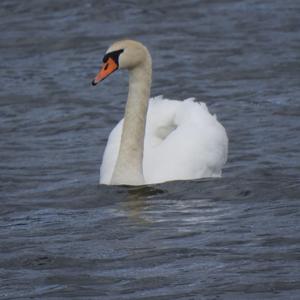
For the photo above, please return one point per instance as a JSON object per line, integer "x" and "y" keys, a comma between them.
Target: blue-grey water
{"x": 63, "y": 236}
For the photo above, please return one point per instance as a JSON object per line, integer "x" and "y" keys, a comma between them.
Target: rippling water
{"x": 65, "y": 237}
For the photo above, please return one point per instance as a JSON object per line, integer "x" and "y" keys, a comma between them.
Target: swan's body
{"x": 182, "y": 141}
{"x": 158, "y": 140}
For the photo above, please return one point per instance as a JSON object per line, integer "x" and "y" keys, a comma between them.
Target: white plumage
{"x": 158, "y": 140}
{"x": 182, "y": 141}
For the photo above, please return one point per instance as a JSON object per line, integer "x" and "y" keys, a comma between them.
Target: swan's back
{"x": 182, "y": 141}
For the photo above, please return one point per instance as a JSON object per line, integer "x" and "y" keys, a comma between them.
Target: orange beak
{"x": 107, "y": 68}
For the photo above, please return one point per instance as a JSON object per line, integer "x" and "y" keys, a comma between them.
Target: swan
{"x": 158, "y": 140}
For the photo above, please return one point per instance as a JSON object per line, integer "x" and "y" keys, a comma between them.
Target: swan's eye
{"x": 105, "y": 58}
{"x": 114, "y": 55}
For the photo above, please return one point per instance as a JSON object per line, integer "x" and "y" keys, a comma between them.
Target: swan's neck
{"x": 129, "y": 165}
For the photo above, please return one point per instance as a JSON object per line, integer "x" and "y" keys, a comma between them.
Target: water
{"x": 65, "y": 237}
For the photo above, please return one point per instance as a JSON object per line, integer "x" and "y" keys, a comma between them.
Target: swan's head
{"x": 125, "y": 54}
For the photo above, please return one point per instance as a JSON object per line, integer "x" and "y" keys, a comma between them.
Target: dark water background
{"x": 65, "y": 237}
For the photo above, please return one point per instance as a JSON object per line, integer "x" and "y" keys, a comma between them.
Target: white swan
{"x": 158, "y": 140}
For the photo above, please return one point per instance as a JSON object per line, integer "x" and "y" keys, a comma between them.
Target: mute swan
{"x": 158, "y": 140}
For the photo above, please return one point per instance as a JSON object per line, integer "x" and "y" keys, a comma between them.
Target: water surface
{"x": 65, "y": 237}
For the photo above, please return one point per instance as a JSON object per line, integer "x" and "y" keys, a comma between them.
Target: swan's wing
{"x": 183, "y": 141}
{"x": 113, "y": 143}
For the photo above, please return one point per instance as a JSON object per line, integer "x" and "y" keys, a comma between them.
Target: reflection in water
{"x": 136, "y": 203}
{"x": 147, "y": 204}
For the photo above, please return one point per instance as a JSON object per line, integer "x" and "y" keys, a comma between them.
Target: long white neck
{"x": 129, "y": 165}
